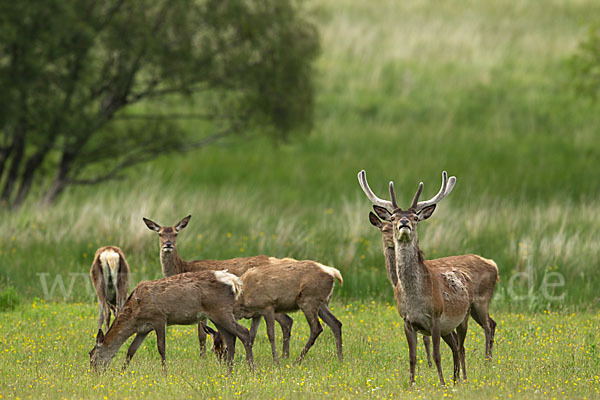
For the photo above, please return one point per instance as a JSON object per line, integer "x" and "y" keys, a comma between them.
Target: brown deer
{"x": 110, "y": 277}
{"x": 176, "y": 300}
{"x": 483, "y": 272}
{"x": 387, "y": 237}
{"x": 434, "y": 303}
{"x": 291, "y": 286}
{"x": 173, "y": 264}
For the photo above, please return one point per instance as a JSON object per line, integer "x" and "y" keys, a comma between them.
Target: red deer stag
{"x": 434, "y": 304}
{"x": 176, "y": 300}
{"x": 110, "y": 277}
{"x": 482, "y": 271}
{"x": 387, "y": 237}
{"x": 173, "y": 264}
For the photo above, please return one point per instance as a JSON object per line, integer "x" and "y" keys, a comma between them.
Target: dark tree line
{"x": 87, "y": 88}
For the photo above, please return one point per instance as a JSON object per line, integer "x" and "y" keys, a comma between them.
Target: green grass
{"x": 544, "y": 355}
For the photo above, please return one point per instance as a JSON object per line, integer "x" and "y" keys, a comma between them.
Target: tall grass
{"x": 406, "y": 89}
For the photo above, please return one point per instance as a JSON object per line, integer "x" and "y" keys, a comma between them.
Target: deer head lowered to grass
{"x": 173, "y": 264}
{"x": 181, "y": 299}
{"x": 110, "y": 276}
{"x": 434, "y": 303}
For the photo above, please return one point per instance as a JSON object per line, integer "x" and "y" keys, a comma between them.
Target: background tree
{"x": 89, "y": 88}
{"x": 586, "y": 65}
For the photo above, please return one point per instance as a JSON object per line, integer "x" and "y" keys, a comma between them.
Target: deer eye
{"x": 416, "y": 218}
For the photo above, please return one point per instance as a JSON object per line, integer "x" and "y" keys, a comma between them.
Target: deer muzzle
{"x": 404, "y": 232}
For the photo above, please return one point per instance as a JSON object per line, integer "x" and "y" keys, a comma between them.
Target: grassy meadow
{"x": 405, "y": 90}
{"x": 543, "y": 355}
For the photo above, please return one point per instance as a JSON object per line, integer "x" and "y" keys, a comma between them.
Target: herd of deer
{"x": 434, "y": 297}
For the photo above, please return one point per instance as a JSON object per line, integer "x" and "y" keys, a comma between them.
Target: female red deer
{"x": 110, "y": 277}
{"x": 289, "y": 286}
{"x": 173, "y": 264}
{"x": 181, "y": 299}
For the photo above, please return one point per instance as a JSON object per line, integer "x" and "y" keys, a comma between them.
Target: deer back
{"x": 281, "y": 285}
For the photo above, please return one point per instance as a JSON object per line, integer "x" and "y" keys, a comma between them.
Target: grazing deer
{"x": 110, "y": 277}
{"x": 173, "y": 264}
{"x": 176, "y": 300}
{"x": 482, "y": 271}
{"x": 435, "y": 303}
{"x": 290, "y": 286}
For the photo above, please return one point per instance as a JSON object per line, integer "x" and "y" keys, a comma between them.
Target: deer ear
{"x": 153, "y": 226}
{"x": 426, "y": 212}
{"x": 374, "y": 220}
{"x": 100, "y": 337}
{"x": 382, "y": 213}
{"x": 183, "y": 223}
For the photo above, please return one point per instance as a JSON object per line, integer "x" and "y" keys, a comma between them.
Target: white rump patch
{"x": 109, "y": 259}
{"x": 333, "y": 272}
{"x": 231, "y": 280}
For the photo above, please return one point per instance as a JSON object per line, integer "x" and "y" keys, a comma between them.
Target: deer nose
{"x": 168, "y": 244}
{"x": 404, "y": 221}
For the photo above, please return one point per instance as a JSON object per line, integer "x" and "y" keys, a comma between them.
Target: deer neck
{"x": 171, "y": 263}
{"x": 119, "y": 332}
{"x": 390, "y": 263}
{"x": 410, "y": 269}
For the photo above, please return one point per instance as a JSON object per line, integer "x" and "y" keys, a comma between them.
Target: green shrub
{"x": 9, "y": 299}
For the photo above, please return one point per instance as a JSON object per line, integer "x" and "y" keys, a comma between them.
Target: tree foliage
{"x": 84, "y": 83}
{"x": 586, "y": 65}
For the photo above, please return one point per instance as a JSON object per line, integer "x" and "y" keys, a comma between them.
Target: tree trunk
{"x": 4, "y": 154}
{"x": 56, "y": 188}
{"x": 17, "y": 157}
{"x": 31, "y": 167}
{"x": 60, "y": 179}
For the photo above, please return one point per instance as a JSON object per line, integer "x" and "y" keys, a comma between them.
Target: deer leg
{"x": 315, "y": 331}
{"x": 336, "y": 327}
{"x": 137, "y": 341}
{"x": 451, "y": 340}
{"x": 161, "y": 333}
{"x": 230, "y": 342}
{"x": 100, "y": 315}
{"x": 479, "y": 312}
{"x": 411, "y": 338}
{"x": 254, "y": 328}
{"x": 269, "y": 317}
{"x": 232, "y": 327}
{"x": 202, "y": 337}
{"x": 435, "y": 338}
{"x": 427, "y": 343}
{"x": 493, "y": 326}
{"x": 107, "y": 315}
{"x": 461, "y": 333}
{"x": 286, "y": 322}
